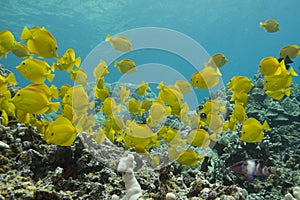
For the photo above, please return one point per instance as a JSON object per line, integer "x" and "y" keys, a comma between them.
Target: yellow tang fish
{"x": 281, "y": 81}
{"x": 101, "y": 93}
{"x": 35, "y": 70}
{"x": 116, "y": 123}
{"x": 60, "y": 132}
{"x": 189, "y": 158}
{"x": 67, "y": 61}
{"x": 63, "y": 90}
{"x": 20, "y": 50}
{"x": 4, "y": 118}
{"x": 170, "y": 95}
{"x": 214, "y": 122}
{"x": 139, "y": 136}
{"x": 157, "y": 113}
{"x": 119, "y": 43}
{"x": 183, "y": 86}
{"x": 292, "y": 51}
{"x": 10, "y": 79}
{"x": 100, "y": 70}
{"x": 217, "y": 60}
{"x": 240, "y": 83}
{"x": 279, "y": 94}
{"x": 51, "y": 92}
{"x": 240, "y": 97}
{"x": 200, "y": 138}
{"x": 109, "y": 106}
{"x": 134, "y": 106}
{"x": 124, "y": 93}
{"x": 206, "y": 78}
{"x": 126, "y": 66}
{"x": 146, "y": 104}
{"x": 239, "y": 112}
{"x": 79, "y": 76}
{"x": 252, "y": 130}
{"x": 40, "y": 41}
{"x": 269, "y": 66}
{"x": 270, "y": 25}
{"x": 33, "y": 102}
{"x": 141, "y": 90}
{"x": 80, "y": 100}
{"x": 184, "y": 114}
{"x": 7, "y": 42}
{"x": 212, "y": 106}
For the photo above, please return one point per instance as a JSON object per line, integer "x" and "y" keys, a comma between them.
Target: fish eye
{"x": 52, "y": 134}
{"x": 18, "y": 94}
{"x": 203, "y": 115}
{"x": 55, "y": 48}
{"x": 200, "y": 107}
{"x": 23, "y": 63}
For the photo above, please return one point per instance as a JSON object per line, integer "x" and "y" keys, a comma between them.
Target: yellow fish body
{"x": 51, "y": 92}
{"x": 67, "y": 61}
{"x": 279, "y": 94}
{"x": 189, "y": 158}
{"x": 33, "y": 102}
{"x": 63, "y": 90}
{"x": 157, "y": 113}
{"x": 126, "y": 66}
{"x": 292, "y": 51}
{"x": 134, "y": 106}
{"x": 217, "y": 60}
{"x": 109, "y": 106}
{"x": 100, "y": 70}
{"x": 240, "y": 83}
{"x": 269, "y": 65}
{"x": 239, "y": 112}
{"x": 7, "y": 42}
{"x": 20, "y": 50}
{"x": 119, "y": 43}
{"x": 79, "y": 76}
{"x": 35, "y": 70}
{"x": 60, "y": 132}
{"x": 270, "y": 25}
{"x": 252, "y": 130}
{"x": 10, "y": 79}
{"x": 40, "y": 42}
{"x": 200, "y": 138}
{"x": 141, "y": 90}
{"x": 206, "y": 78}
{"x": 124, "y": 93}
{"x": 240, "y": 97}
{"x": 183, "y": 86}
{"x": 101, "y": 93}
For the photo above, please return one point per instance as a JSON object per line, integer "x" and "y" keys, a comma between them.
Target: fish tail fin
{"x": 26, "y": 34}
{"x": 261, "y": 24}
{"x": 77, "y": 62}
{"x": 107, "y": 39}
{"x": 119, "y": 108}
{"x": 218, "y": 71}
{"x": 266, "y": 126}
{"x": 213, "y": 137}
{"x": 292, "y": 72}
{"x": 11, "y": 79}
{"x": 160, "y": 85}
{"x": 50, "y": 77}
{"x": 54, "y": 106}
{"x": 288, "y": 92}
{"x": 116, "y": 63}
{"x": 54, "y": 91}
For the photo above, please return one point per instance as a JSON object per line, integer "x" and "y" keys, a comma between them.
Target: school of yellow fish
{"x": 38, "y": 44}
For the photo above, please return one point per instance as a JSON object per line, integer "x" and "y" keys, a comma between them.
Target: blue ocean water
{"x": 230, "y": 27}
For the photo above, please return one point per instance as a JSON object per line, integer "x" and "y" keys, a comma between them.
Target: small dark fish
{"x": 287, "y": 61}
{"x": 251, "y": 168}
